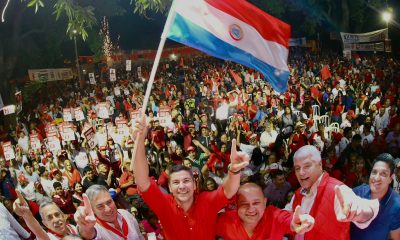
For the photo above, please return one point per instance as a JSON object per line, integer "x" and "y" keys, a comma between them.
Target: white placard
{"x": 10, "y": 109}
{"x": 134, "y": 115}
{"x": 79, "y": 116}
{"x": 103, "y": 111}
{"x": 67, "y": 114}
{"x": 35, "y": 142}
{"x": 113, "y": 75}
{"x": 8, "y": 151}
{"x": 90, "y": 136}
{"x": 122, "y": 127}
{"x": 68, "y": 133}
{"x": 54, "y": 144}
{"x": 92, "y": 79}
{"x": 126, "y": 92}
{"x": 164, "y": 115}
{"x": 117, "y": 91}
{"x": 128, "y": 65}
{"x": 139, "y": 72}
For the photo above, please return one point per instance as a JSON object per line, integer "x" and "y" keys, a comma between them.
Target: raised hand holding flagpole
{"x": 167, "y": 26}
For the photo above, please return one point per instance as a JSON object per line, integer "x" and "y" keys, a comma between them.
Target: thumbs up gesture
{"x": 84, "y": 215}
{"x": 239, "y": 160}
{"x": 20, "y": 206}
{"x": 301, "y": 223}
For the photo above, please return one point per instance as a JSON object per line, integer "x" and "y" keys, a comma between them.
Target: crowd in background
{"x": 351, "y": 117}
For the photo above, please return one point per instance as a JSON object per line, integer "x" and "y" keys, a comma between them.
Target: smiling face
{"x": 182, "y": 187}
{"x": 104, "y": 207}
{"x": 251, "y": 204}
{"x": 380, "y": 179}
{"x": 307, "y": 170}
{"x": 54, "y": 219}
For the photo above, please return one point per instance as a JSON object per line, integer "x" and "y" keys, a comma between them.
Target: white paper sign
{"x": 90, "y": 138}
{"x": 113, "y": 75}
{"x": 128, "y": 65}
{"x": 117, "y": 91}
{"x": 35, "y": 142}
{"x": 10, "y": 109}
{"x": 67, "y": 114}
{"x": 122, "y": 127}
{"x": 79, "y": 116}
{"x": 103, "y": 110}
{"x": 54, "y": 143}
{"x": 68, "y": 133}
{"x": 139, "y": 72}
{"x": 164, "y": 116}
{"x": 8, "y": 151}
{"x": 92, "y": 79}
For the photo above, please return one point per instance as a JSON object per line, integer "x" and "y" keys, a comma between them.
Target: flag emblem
{"x": 236, "y": 32}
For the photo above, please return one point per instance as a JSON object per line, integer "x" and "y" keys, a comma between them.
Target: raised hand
{"x": 84, "y": 215}
{"x": 239, "y": 160}
{"x": 301, "y": 223}
{"x": 20, "y": 206}
{"x": 140, "y": 129}
{"x": 346, "y": 207}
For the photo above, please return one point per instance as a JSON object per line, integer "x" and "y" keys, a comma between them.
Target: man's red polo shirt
{"x": 272, "y": 226}
{"x": 199, "y": 223}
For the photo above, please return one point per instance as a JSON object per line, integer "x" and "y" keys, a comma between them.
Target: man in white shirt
{"x": 327, "y": 199}
{"x": 267, "y": 137}
{"x": 381, "y": 120}
{"x": 99, "y": 218}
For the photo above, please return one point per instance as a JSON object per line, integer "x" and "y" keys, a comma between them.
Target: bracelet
{"x": 234, "y": 173}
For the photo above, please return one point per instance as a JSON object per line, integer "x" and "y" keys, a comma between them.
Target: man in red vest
{"x": 332, "y": 204}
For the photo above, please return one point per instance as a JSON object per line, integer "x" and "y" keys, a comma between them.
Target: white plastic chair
{"x": 335, "y": 124}
{"x": 315, "y": 109}
{"x": 325, "y": 119}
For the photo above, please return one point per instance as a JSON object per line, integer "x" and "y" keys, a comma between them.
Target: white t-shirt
{"x": 133, "y": 228}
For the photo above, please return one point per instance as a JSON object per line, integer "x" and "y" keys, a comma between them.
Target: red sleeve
{"x": 155, "y": 199}
{"x": 282, "y": 220}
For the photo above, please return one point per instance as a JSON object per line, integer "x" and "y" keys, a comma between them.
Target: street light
{"x": 387, "y": 17}
{"x": 76, "y": 56}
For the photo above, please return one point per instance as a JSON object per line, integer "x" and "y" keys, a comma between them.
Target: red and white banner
{"x": 8, "y": 151}
{"x": 90, "y": 136}
{"x": 35, "y": 142}
{"x": 10, "y": 109}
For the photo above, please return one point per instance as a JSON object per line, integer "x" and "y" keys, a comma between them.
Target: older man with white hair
{"x": 332, "y": 204}
{"x": 99, "y": 218}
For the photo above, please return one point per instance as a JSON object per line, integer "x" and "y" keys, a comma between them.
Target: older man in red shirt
{"x": 184, "y": 214}
{"x": 253, "y": 220}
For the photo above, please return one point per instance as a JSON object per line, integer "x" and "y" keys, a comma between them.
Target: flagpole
{"x": 167, "y": 26}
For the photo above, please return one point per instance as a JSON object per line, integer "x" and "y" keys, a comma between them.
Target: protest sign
{"x": 92, "y": 79}
{"x": 35, "y": 142}
{"x": 10, "y": 109}
{"x": 67, "y": 114}
{"x": 128, "y": 65}
{"x": 113, "y": 75}
{"x": 90, "y": 136}
{"x": 8, "y": 151}
{"x": 79, "y": 116}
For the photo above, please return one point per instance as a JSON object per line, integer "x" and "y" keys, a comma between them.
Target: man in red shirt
{"x": 184, "y": 214}
{"x": 253, "y": 220}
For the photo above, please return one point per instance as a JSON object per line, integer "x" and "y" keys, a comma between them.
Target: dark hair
{"x": 356, "y": 137}
{"x": 386, "y": 158}
{"x": 26, "y": 164}
{"x": 56, "y": 185}
{"x": 277, "y": 173}
{"x": 179, "y": 167}
{"x": 87, "y": 169}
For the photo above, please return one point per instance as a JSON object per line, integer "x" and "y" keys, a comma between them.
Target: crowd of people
{"x": 219, "y": 154}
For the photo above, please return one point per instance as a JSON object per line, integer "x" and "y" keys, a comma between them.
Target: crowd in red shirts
{"x": 196, "y": 108}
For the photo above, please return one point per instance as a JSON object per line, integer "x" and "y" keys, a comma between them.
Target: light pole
{"x": 76, "y": 57}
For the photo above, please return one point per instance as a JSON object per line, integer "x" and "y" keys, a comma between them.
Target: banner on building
{"x": 365, "y": 47}
{"x": 47, "y": 75}
{"x": 298, "y": 42}
{"x": 375, "y": 36}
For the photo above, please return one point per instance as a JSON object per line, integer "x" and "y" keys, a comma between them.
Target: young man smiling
{"x": 387, "y": 223}
{"x": 184, "y": 214}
